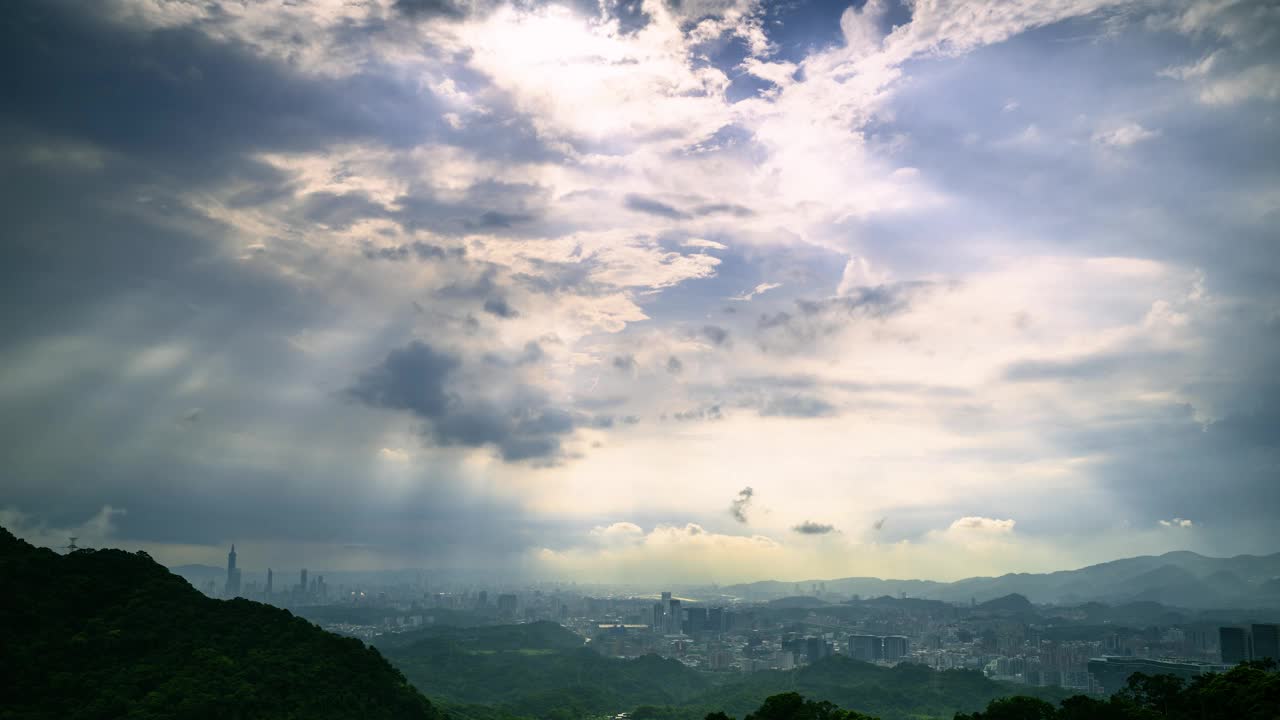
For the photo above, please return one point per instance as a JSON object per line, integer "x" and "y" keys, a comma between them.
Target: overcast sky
{"x": 651, "y": 291}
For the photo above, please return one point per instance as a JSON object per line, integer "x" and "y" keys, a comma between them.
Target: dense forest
{"x": 111, "y": 634}
{"x": 1250, "y": 691}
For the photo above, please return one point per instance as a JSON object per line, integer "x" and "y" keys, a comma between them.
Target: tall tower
{"x": 232, "y": 588}
{"x": 268, "y": 590}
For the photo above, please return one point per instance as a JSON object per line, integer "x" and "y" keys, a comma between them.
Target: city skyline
{"x": 652, "y": 292}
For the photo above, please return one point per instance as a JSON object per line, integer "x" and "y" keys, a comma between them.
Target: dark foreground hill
{"x": 111, "y": 634}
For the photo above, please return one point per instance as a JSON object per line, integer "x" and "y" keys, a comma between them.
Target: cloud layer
{"x": 544, "y": 285}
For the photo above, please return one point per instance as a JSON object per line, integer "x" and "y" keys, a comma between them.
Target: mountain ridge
{"x": 1181, "y": 577}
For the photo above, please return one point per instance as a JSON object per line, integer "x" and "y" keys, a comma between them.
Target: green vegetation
{"x": 905, "y": 692}
{"x": 1250, "y": 691}
{"x": 792, "y": 706}
{"x": 111, "y": 634}
{"x": 541, "y": 670}
{"x": 536, "y": 670}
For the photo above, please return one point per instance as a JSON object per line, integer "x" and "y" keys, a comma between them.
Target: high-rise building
{"x": 270, "y": 578}
{"x": 896, "y": 647}
{"x": 815, "y": 648}
{"x": 659, "y": 616}
{"x": 232, "y": 588}
{"x": 865, "y": 647}
{"x": 674, "y": 618}
{"x": 1266, "y": 642}
{"x": 1233, "y": 643}
{"x": 507, "y": 605}
{"x": 715, "y": 620}
{"x": 697, "y": 620}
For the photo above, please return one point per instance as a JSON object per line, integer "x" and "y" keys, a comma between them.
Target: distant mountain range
{"x": 1178, "y": 579}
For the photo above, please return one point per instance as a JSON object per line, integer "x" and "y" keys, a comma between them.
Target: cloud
{"x": 757, "y": 290}
{"x": 809, "y": 527}
{"x": 428, "y": 9}
{"x": 813, "y": 321}
{"x": 1177, "y": 523}
{"x": 879, "y": 524}
{"x": 704, "y": 243}
{"x": 1124, "y": 135}
{"x": 649, "y": 206}
{"x": 520, "y": 423}
{"x": 716, "y": 334}
{"x": 498, "y": 306}
{"x": 975, "y": 523}
{"x": 674, "y": 366}
{"x": 98, "y": 531}
{"x": 798, "y": 406}
{"x": 742, "y": 504}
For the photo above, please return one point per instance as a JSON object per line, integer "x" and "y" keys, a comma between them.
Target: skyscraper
{"x": 865, "y": 647}
{"x": 1266, "y": 642}
{"x": 232, "y": 588}
{"x": 674, "y": 618}
{"x": 1233, "y": 642}
{"x": 895, "y": 647}
{"x": 267, "y": 592}
{"x": 507, "y": 604}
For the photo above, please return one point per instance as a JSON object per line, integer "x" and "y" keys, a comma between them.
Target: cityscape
{"x": 1007, "y": 639}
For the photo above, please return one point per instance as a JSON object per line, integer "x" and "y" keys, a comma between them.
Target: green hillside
{"x": 538, "y": 670}
{"x": 541, "y": 670}
{"x": 111, "y": 634}
{"x": 905, "y": 692}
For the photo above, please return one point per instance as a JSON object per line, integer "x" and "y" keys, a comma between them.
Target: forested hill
{"x": 111, "y": 634}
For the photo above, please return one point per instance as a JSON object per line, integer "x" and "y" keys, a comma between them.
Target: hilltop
{"x": 107, "y": 633}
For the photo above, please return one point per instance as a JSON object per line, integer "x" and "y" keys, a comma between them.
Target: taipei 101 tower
{"x": 233, "y": 575}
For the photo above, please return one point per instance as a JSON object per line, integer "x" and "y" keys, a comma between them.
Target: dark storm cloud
{"x": 741, "y": 504}
{"x": 431, "y": 9}
{"x": 500, "y": 307}
{"x": 414, "y": 250}
{"x": 624, "y": 363}
{"x": 674, "y": 366}
{"x": 410, "y": 378}
{"x": 180, "y": 98}
{"x": 809, "y": 527}
{"x": 716, "y": 334}
{"x": 418, "y": 378}
{"x": 798, "y": 406}
{"x": 650, "y": 206}
{"x": 740, "y": 211}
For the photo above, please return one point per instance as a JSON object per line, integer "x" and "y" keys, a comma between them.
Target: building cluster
{"x": 724, "y": 634}
{"x": 1257, "y": 642}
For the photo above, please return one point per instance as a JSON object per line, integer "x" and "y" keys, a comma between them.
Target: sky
{"x": 655, "y": 291}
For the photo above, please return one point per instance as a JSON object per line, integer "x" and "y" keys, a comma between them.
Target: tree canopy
{"x": 111, "y": 634}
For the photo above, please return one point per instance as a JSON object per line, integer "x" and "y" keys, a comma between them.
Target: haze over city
{"x": 711, "y": 291}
